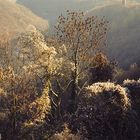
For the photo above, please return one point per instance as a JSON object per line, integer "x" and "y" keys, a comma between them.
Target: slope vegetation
{"x": 16, "y": 18}
{"x": 123, "y": 42}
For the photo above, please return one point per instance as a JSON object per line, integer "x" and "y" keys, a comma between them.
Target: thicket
{"x": 104, "y": 112}
{"x": 64, "y": 87}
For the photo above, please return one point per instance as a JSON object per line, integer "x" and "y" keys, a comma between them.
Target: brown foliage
{"x": 103, "y": 69}
{"x": 83, "y": 37}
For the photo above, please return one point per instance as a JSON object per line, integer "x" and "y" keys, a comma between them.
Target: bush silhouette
{"x": 133, "y": 87}
{"x": 104, "y": 112}
{"x": 103, "y": 69}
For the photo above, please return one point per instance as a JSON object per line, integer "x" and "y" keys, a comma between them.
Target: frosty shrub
{"x": 26, "y": 81}
{"x": 41, "y": 105}
{"x": 38, "y": 109}
{"x": 20, "y": 103}
{"x": 131, "y": 83}
{"x": 36, "y": 113}
{"x": 133, "y": 72}
{"x": 30, "y": 51}
{"x": 104, "y": 113}
{"x": 133, "y": 87}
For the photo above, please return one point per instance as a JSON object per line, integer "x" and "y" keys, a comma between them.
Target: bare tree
{"x": 83, "y": 37}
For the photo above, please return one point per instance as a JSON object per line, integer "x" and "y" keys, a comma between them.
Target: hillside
{"x": 51, "y": 9}
{"x": 123, "y": 42}
{"x": 16, "y": 18}
{"x": 123, "y": 38}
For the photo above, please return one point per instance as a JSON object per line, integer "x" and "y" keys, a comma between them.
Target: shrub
{"x": 104, "y": 112}
{"x": 132, "y": 84}
{"x": 132, "y": 73}
{"x": 133, "y": 87}
{"x": 66, "y": 135}
{"x": 103, "y": 69}
{"x": 22, "y": 110}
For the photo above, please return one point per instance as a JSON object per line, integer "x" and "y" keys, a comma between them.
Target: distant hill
{"x": 51, "y": 9}
{"x": 16, "y": 18}
{"x": 123, "y": 42}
